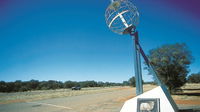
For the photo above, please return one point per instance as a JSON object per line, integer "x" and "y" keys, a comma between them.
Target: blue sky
{"x": 69, "y": 40}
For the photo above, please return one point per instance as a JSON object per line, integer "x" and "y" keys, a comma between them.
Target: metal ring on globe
{"x": 122, "y": 16}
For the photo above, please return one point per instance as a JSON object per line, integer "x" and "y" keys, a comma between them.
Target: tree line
{"x": 21, "y": 86}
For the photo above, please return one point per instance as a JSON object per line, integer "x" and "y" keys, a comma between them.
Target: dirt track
{"x": 105, "y": 101}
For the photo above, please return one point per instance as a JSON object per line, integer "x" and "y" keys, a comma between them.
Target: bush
{"x": 171, "y": 62}
{"x": 132, "y": 81}
{"x": 194, "y": 78}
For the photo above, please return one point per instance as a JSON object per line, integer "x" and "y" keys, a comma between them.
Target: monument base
{"x": 155, "y": 100}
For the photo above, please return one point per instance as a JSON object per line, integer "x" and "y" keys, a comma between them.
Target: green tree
{"x": 171, "y": 62}
{"x": 33, "y": 84}
{"x": 10, "y": 87}
{"x": 132, "y": 81}
{"x": 89, "y": 84}
{"x": 3, "y": 86}
{"x": 69, "y": 84}
{"x": 52, "y": 84}
{"x": 17, "y": 85}
{"x": 125, "y": 83}
{"x": 100, "y": 84}
{"x": 194, "y": 78}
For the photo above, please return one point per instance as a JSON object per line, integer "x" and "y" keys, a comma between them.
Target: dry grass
{"x": 6, "y": 98}
{"x": 190, "y": 95}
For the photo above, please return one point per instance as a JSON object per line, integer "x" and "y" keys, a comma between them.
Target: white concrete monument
{"x": 155, "y": 100}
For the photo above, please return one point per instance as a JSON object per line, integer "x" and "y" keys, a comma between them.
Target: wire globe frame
{"x": 122, "y": 16}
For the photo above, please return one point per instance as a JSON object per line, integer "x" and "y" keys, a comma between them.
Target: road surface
{"x": 99, "y": 102}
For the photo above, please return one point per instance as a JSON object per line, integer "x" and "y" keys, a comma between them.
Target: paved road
{"x": 99, "y": 102}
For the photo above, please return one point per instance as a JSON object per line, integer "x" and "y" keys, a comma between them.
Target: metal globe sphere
{"x": 122, "y": 16}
